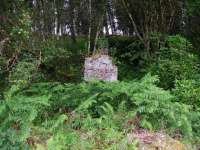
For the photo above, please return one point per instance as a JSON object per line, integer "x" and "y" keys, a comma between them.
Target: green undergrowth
{"x": 95, "y": 115}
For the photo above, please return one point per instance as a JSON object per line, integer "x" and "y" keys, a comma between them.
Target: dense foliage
{"x": 175, "y": 61}
{"x": 46, "y": 104}
{"x": 117, "y": 108}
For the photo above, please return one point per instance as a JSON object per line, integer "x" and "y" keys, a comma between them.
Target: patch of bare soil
{"x": 155, "y": 141}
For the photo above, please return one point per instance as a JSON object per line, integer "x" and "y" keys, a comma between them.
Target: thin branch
{"x": 132, "y": 21}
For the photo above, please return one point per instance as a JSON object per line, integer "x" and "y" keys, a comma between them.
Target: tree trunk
{"x": 73, "y": 22}
{"x": 90, "y": 22}
{"x": 111, "y": 16}
{"x": 97, "y": 34}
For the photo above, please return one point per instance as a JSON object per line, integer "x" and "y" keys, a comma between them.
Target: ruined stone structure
{"x": 100, "y": 67}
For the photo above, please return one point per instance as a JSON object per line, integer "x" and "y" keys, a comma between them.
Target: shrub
{"x": 8, "y": 142}
{"x": 154, "y": 105}
{"x": 120, "y": 42}
{"x": 188, "y": 92}
{"x": 127, "y": 50}
{"x": 62, "y": 60}
{"x": 25, "y": 71}
{"x": 98, "y": 110}
{"x": 175, "y": 62}
{"x": 17, "y": 112}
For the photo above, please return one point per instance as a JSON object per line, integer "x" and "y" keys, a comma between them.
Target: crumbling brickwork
{"x": 100, "y": 67}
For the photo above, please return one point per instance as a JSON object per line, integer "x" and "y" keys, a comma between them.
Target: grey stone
{"x": 100, "y": 67}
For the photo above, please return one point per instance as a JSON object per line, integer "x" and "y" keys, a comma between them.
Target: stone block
{"x": 100, "y": 67}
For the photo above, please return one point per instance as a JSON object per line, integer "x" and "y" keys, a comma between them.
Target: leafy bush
{"x": 62, "y": 60}
{"x": 120, "y": 42}
{"x": 154, "y": 105}
{"x": 129, "y": 55}
{"x": 8, "y": 142}
{"x": 17, "y": 30}
{"x": 95, "y": 111}
{"x": 17, "y": 112}
{"x": 188, "y": 92}
{"x": 25, "y": 70}
{"x": 127, "y": 50}
{"x": 175, "y": 62}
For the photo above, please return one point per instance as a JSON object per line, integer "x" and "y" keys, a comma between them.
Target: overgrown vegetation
{"x": 98, "y": 110}
{"x": 46, "y": 104}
